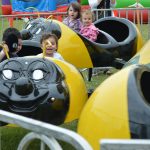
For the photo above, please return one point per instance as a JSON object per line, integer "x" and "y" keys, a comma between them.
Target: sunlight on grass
{"x": 11, "y": 136}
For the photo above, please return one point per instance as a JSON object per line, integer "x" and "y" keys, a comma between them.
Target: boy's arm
{"x": 2, "y": 53}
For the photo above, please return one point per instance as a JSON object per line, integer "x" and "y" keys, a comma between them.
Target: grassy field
{"x": 11, "y": 136}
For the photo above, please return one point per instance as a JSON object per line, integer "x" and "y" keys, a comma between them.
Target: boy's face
{"x": 19, "y": 46}
{"x": 72, "y": 13}
{"x": 50, "y": 45}
{"x": 86, "y": 19}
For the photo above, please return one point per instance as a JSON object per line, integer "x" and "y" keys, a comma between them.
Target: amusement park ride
{"x": 54, "y": 91}
{"x": 15, "y": 7}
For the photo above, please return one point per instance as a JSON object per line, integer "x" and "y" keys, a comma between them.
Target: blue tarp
{"x": 40, "y": 5}
{"x": 64, "y": 2}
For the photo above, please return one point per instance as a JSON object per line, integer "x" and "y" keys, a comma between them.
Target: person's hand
{"x": 4, "y": 51}
{"x": 5, "y": 47}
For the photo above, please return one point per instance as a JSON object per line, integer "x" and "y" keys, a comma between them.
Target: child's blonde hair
{"x": 88, "y": 12}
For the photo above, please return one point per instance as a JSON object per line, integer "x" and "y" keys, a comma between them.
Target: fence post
{"x": 11, "y": 20}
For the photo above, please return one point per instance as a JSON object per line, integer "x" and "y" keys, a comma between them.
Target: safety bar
{"x": 124, "y": 144}
{"x": 47, "y": 133}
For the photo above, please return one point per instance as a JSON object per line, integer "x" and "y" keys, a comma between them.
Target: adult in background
{"x": 137, "y": 4}
{"x": 103, "y": 4}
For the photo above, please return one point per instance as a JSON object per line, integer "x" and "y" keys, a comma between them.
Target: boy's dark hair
{"x": 10, "y": 37}
{"x": 10, "y": 30}
{"x": 45, "y": 36}
{"x": 76, "y": 6}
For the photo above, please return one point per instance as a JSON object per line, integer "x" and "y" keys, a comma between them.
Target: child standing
{"x": 73, "y": 19}
{"x": 49, "y": 42}
{"x": 137, "y": 4}
{"x": 88, "y": 29}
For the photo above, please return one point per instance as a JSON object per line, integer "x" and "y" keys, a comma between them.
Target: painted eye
{"x": 29, "y": 26}
{"x": 7, "y": 74}
{"x": 38, "y": 31}
{"x": 37, "y": 75}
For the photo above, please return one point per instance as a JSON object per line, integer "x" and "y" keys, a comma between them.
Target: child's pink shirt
{"x": 90, "y": 32}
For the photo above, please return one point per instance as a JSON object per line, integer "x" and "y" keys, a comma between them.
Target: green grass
{"x": 11, "y": 136}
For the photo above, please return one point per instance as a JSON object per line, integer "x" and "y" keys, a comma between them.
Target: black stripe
{"x": 139, "y": 102}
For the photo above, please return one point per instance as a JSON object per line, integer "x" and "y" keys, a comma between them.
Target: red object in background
{"x": 61, "y": 8}
{"x": 58, "y": 10}
{"x": 6, "y": 9}
{"x": 132, "y": 15}
{"x": 57, "y": 16}
{"x": 64, "y": 8}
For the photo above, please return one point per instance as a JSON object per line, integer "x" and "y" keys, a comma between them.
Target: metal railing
{"x": 47, "y": 133}
{"x": 19, "y": 20}
{"x": 143, "y": 17}
{"x": 128, "y": 13}
{"x": 120, "y": 144}
{"x": 140, "y": 16}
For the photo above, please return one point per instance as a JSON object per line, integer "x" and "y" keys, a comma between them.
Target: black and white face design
{"x": 34, "y": 87}
{"x": 38, "y": 26}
